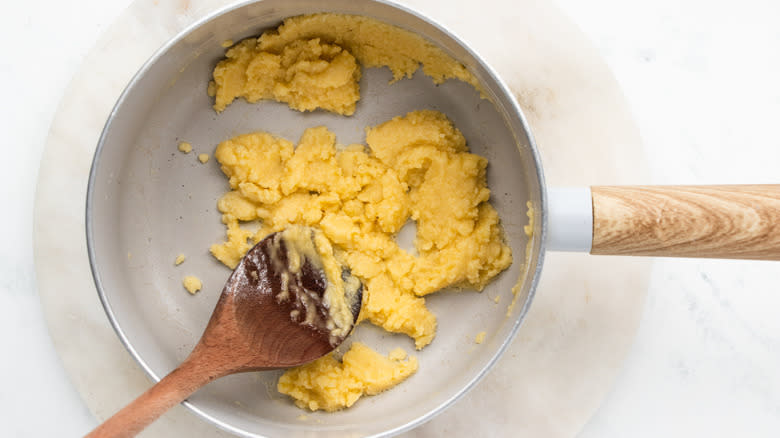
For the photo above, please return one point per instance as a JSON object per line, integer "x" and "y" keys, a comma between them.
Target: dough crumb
{"x": 331, "y": 385}
{"x": 397, "y": 354}
{"x": 192, "y": 284}
{"x": 480, "y": 338}
{"x": 203, "y": 158}
{"x": 179, "y": 259}
{"x": 497, "y": 299}
{"x": 227, "y": 43}
{"x": 185, "y": 147}
{"x": 529, "y": 229}
{"x": 302, "y": 417}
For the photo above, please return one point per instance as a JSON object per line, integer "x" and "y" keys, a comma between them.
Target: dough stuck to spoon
{"x": 305, "y": 280}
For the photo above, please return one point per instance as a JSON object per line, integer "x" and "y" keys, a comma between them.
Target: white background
{"x": 703, "y": 81}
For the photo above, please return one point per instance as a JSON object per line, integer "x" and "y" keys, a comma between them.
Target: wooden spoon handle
{"x": 733, "y": 222}
{"x": 149, "y": 406}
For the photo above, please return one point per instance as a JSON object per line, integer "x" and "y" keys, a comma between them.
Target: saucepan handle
{"x": 723, "y": 221}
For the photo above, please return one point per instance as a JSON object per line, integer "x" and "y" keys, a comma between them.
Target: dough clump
{"x": 331, "y": 385}
{"x": 313, "y": 61}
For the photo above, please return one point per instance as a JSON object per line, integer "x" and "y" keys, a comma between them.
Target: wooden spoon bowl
{"x": 251, "y": 329}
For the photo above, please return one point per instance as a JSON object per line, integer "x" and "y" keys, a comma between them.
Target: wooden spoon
{"x": 251, "y": 329}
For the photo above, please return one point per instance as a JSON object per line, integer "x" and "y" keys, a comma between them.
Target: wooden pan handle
{"x": 733, "y": 222}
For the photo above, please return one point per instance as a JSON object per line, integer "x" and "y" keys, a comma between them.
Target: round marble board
{"x": 586, "y": 311}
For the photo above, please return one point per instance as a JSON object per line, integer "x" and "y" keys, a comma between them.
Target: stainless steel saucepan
{"x": 146, "y": 204}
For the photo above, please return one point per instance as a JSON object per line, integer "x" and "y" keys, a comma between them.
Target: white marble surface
{"x": 700, "y": 80}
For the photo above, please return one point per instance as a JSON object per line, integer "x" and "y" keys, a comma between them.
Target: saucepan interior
{"x": 147, "y": 203}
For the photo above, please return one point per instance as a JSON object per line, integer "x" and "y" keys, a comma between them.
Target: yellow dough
{"x": 192, "y": 284}
{"x": 414, "y": 168}
{"x": 311, "y": 61}
{"x": 307, "y": 74}
{"x": 331, "y": 385}
{"x": 360, "y": 198}
{"x": 185, "y": 147}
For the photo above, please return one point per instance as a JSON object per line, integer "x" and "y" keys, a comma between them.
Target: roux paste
{"x": 415, "y": 167}
{"x": 331, "y": 385}
{"x": 311, "y": 61}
